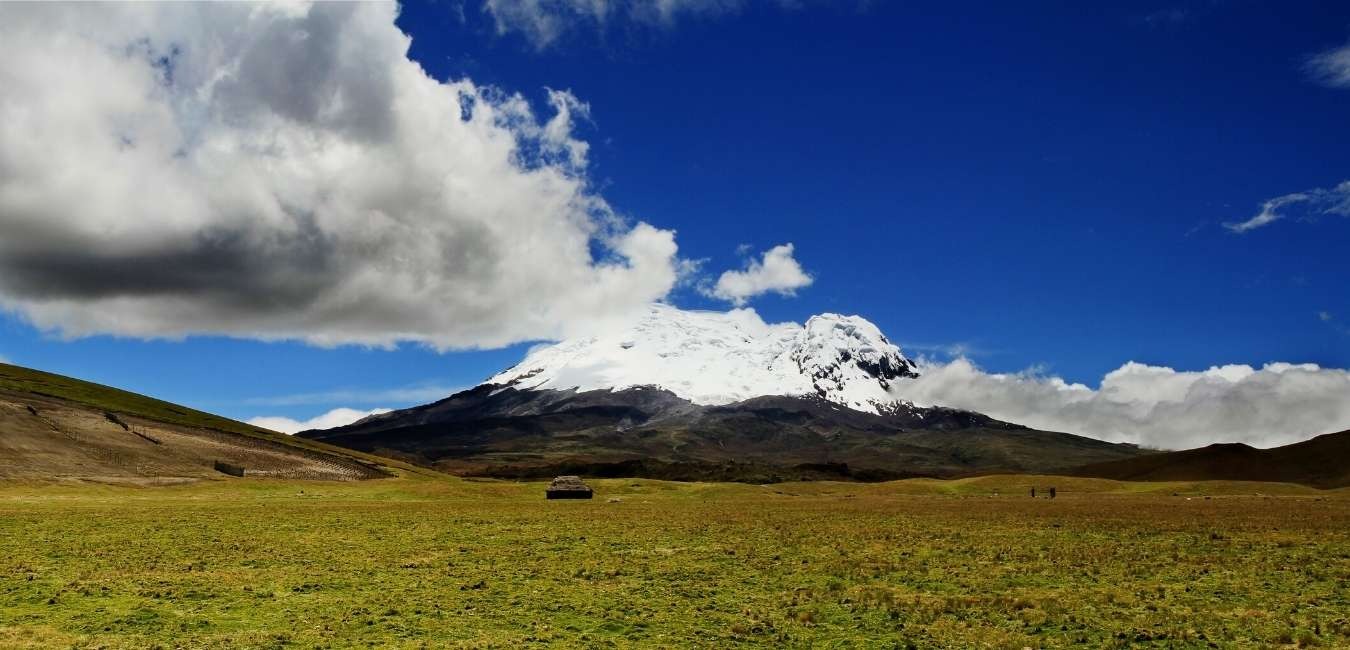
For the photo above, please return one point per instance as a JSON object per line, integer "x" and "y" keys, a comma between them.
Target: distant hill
{"x": 54, "y": 427}
{"x": 1322, "y": 462}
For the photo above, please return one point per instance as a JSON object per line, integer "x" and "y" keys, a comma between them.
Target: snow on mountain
{"x": 724, "y": 357}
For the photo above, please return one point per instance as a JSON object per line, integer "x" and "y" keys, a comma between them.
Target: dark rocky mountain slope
{"x": 646, "y": 431}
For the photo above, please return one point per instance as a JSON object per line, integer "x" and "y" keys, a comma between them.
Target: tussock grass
{"x": 419, "y": 560}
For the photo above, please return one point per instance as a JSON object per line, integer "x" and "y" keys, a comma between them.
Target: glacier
{"x": 715, "y": 358}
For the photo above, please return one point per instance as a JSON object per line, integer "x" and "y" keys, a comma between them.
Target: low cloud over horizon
{"x": 1152, "y": 406}
{"x": 334, "y": 418}
{"x": 413, "y": 394}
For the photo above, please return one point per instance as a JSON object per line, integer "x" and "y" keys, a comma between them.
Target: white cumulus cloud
{"x": 1309, "y": 204}
{"x": 1154, "y": 406}
{"x": 334, "y": 418}
{"x": 777, "y": 272}
{"x": 285, "y": 171}
{"x": 1331, "y": 68}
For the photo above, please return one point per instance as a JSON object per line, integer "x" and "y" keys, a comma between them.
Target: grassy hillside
{"x": 26, "y": 380}
{"x": 442, "y": 562}
{"x": 68, "y": 428}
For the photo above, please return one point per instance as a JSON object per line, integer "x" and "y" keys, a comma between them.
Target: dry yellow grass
{"x": 443, "y": 562}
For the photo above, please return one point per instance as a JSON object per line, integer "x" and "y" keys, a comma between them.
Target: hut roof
{"x": 568, "y": 487}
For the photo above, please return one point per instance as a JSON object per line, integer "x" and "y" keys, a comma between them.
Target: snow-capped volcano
{"x": 697, "y": 396}
{"x": 723, "y": 357}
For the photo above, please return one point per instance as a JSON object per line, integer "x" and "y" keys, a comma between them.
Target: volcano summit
{"x": 715, "y": 358}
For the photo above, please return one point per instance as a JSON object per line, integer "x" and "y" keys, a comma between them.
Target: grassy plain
{"x": 427, "y": 561}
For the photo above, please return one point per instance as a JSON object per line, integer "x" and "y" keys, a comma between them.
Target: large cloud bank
{"x": 1154, "y": 406}
{"x": 286, "y": 172}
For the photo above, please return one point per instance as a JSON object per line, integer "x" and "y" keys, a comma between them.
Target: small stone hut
{"x": 568, "y": 487}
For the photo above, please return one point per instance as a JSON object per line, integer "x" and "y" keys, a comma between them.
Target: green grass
{"x": 423, "y": 561}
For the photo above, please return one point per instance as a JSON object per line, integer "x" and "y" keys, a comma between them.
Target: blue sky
{"x": 1037, "y": 185}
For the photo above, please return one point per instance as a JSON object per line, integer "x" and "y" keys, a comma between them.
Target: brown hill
{"x": 1322, "y": 462}
{"x": 55, "y": 428}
